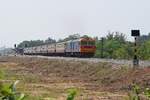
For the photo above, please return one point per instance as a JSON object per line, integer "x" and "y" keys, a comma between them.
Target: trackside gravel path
{"x": 95, "y": 60}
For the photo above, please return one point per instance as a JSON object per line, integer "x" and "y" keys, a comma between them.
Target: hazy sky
{"x": 38, "y": 19}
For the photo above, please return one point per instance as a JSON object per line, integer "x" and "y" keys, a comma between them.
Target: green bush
{"x": 1, "y": 74}
{"x": 72, "y": 93}
{"x": 8, "y": 92}
{"x": 134, "y": 94}
{"x": 147, "y": 92}
{"x": 136, "y": 91}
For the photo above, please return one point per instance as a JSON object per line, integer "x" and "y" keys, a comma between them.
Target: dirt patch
{"x": 95, "y": 81}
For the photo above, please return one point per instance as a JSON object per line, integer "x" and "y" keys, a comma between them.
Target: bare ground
{"x": 44, "y": 78}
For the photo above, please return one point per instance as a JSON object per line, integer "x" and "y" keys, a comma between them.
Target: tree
{"x": 110, "y": 36}
{"x": 49, "y": 41}
{"x": 70, "y": 37}
{"x": 86, "y": 36}
{"x": 110, "y": 47}
{"x": 120, "y": 37}
{"x": 114, "y": 46}
{"x": 122, "y": 52}
{"x": 143, "y": 38}
{"x": 30, "y": 43}
{"x": 144, "y": 50}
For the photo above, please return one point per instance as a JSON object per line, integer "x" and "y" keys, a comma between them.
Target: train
{"x": 82, "y": 47}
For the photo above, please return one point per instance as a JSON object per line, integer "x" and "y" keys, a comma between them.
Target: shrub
{"x": 72, "y": 94}
{"x": 8, "y": 92}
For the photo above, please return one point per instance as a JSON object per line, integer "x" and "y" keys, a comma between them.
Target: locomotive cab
{"x": 87, "y": 47}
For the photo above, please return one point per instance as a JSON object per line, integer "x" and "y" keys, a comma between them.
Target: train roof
{"x": 80, "y": 39}
{"x": 83, "y": 39}
{"x": 87, "y": 39}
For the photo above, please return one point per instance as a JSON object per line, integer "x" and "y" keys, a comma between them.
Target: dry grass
{"x": 43, "y": 78}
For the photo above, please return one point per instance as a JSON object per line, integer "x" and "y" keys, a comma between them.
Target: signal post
{"x": 135, "y": 34}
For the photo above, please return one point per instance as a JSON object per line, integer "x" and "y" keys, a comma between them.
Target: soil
{"x": 46, "y": 78}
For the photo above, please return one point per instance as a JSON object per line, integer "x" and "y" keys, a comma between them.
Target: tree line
{"x": 114, "y": 46}
{"x": 49, "y": 40}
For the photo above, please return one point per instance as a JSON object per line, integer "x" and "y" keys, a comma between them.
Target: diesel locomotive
{"x": 82, "y": 47}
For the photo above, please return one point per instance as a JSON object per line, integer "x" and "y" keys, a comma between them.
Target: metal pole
{"x": 135, "y": 60}
{"x": 15, "y": 46}
{"x": 102, "y": 47}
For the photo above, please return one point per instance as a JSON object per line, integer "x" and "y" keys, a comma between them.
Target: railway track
{"x": 95, "y": 60}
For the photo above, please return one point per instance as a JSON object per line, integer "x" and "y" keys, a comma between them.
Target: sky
{"x": 39, "y": 19}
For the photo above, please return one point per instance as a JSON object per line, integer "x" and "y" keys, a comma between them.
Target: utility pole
{"x": 15, "y": 46}
{"x": 135, "y": 34}
{"x": 102, "y": 47}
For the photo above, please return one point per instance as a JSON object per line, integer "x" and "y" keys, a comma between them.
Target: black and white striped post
{"x": 135, "y": 34}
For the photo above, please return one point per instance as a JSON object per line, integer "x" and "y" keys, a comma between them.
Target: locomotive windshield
{"x": 84, "y": 43}
{"x": 88, "y": 43}
{"x": 91, "y": 43}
